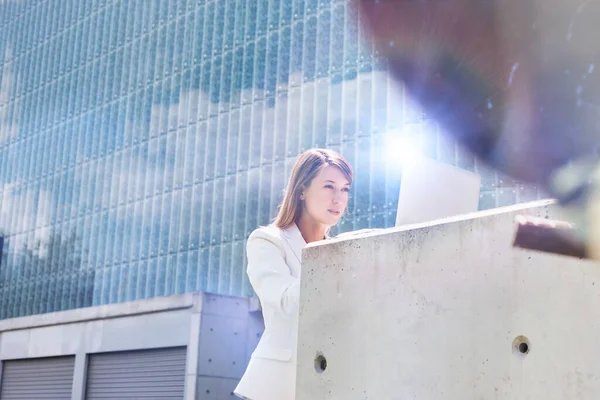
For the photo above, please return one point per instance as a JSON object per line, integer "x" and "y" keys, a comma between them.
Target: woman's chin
{"x": 331, "y": 220}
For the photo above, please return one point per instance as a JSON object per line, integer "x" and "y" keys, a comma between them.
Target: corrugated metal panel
{"x": 40, "y": 378}
{"x": 145, "y": 374}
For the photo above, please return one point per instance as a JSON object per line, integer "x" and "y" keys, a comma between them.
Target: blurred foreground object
{"x": 516, "y": 82}
{"x": 549, "y": 236}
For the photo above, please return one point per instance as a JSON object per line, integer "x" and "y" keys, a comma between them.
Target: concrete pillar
{"x": 191, "y": 369}
{"x": 79, "y": 375}
{"x": 448, "y": 311}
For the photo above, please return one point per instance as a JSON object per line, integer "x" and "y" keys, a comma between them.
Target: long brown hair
{"x": 305, "y": 169}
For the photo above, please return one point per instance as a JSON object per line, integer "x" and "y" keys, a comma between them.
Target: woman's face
{"x": 326, "y": 198}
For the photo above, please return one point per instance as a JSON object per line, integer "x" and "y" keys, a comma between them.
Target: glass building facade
{"x": 141, "y": 141}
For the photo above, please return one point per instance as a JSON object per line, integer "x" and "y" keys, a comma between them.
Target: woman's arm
{"x": 269, "y": 274}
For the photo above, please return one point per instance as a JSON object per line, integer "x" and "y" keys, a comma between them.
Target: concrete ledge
{"x": 448, "y": 310}
{"x": 527, "y": 208}
{"x": 108, "y": 311}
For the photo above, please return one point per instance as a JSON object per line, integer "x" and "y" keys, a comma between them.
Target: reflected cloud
{"x": 160, "y": 163}
{"x": 23, "y": 210}
{"x": 9, "y": 113}
{"x": 139, "y": 171}
{"x": 156, "y": 158}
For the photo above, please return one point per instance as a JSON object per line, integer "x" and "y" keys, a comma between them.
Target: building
{"x": 142, "y": 141}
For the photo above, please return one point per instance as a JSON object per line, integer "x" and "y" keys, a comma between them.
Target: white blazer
{"x": 274, "y": 259}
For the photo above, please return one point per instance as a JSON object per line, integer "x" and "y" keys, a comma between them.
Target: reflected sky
{"x": 142, "y": 141}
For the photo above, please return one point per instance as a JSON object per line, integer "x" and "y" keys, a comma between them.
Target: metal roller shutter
{"x": 145, "y": 374}
{"x": 38, "y": 378}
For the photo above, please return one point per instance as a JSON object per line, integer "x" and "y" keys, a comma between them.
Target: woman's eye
{"x": 329, "y": 186}
{"x": 346, "y": 189}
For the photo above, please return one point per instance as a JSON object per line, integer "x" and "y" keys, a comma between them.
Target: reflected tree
{"x": 46, "y": 277}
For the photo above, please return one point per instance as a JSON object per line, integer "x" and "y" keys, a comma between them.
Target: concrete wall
{"x": 229, "y": 332}
{"x": 440, "y": 311}
{"x": 220, "y": 333}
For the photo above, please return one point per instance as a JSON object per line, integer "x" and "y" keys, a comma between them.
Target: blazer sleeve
{"x": 269, "y": 274}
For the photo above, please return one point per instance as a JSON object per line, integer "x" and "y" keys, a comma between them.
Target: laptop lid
{"x": 432, "y": 190}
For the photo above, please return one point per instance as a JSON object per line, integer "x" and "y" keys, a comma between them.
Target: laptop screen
{"x": 432, "y": 190}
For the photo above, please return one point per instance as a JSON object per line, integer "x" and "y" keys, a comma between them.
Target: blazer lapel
{"x": 295, "y": 240}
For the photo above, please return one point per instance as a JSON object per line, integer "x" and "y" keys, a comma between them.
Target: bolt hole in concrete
{"x": 521, "y": 345}
{"x": 320, "y": 363}
{"x": 524, "y": 348}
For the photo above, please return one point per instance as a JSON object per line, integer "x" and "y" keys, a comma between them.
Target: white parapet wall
{"x": 448, "y": 310}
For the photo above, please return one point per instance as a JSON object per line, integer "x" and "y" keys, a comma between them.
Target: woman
{"x": 314, "y": 201}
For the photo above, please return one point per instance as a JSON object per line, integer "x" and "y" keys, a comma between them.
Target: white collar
{"x": 295, "y": 239}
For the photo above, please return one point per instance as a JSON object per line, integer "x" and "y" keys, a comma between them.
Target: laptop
{"x": 432, "y": 190}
